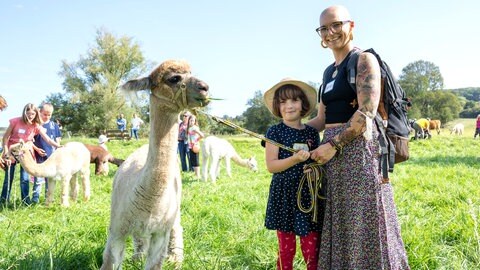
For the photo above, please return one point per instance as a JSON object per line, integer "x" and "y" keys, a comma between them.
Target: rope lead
{"x": 313, "y": 175}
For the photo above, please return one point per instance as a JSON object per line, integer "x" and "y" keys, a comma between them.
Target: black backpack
{"x": 393, "y": 108}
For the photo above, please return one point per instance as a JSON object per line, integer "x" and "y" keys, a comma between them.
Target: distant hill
{"x": 470, "y": 93}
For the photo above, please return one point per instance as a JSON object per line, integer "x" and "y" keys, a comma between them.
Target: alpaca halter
{"x": 179, "y": 100}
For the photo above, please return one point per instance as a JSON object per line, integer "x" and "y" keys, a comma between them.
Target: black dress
{"x": 283, "y": 212}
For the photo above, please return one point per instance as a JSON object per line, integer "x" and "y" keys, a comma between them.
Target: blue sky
{"x": 237, "y": 47}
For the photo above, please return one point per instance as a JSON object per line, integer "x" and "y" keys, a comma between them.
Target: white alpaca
{"x": 65, "y": 165}
{"x": 457, "y": 129}
{"x": 213, "y": 150}
{"x": 147, "y": 186}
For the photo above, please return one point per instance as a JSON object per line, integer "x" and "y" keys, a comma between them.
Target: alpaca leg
{"x": 74, "y": 187}
{"x": 51, "y": 191}
{"x": 113, "y": 253}
{"x": 229, "y": 168}
{"x": 86, "y": 183}
{"x": 140, "y": 246}
{"x": 65, "y": 187}
{"x": 204, "y": 167}
{"x": 175, "y": 246}
{"x": 214, "y": 168}
{"x": 158, "y": 250}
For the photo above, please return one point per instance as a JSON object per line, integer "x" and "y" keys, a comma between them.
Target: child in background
{"x": 194, "y": 136}
{"x": 23, "y": 128}
{"x": 291, "y": 100}
{"x": 102, "y": 141}
{"x": 43, "y": 150}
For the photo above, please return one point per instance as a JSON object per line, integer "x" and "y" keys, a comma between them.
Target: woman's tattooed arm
{"x": 368, "y": 96}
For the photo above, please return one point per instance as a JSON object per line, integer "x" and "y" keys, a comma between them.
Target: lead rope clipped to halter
{"x": 312, "y": 176}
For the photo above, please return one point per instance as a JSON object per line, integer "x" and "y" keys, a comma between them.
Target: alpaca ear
{"x": 138, "y": 84}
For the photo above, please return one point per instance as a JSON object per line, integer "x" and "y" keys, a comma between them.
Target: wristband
{"x": 336, "y": 146}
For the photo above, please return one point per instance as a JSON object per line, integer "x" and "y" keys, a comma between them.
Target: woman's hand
{"x": 323, "y": 153}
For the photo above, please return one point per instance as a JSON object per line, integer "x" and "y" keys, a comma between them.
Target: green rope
{"x": 312, "y": 176}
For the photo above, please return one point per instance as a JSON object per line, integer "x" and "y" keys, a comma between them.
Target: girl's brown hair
{"x": 31, "y": 107}
{"x": 289, "y": 91}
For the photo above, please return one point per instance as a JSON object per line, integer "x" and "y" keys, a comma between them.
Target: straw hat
{"x": 309, "y": 91}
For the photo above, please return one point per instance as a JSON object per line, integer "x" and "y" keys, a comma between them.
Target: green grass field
{"x": 437, "y": 194}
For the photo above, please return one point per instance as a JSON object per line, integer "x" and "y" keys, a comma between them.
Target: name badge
{"x": 300, "y": 146}
{"x": 329, "y": 86}
{"x": 21, "y": 131}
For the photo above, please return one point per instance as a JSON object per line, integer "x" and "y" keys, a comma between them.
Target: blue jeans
{"x": 183, "y": 151}
{"x": 37, "y": 188}
{"x": 24, "y": 185}
{"x": 134, "y": 133}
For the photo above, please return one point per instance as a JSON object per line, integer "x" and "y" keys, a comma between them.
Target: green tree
{"x": 91, "y": 84}
{"x": 420, "y": 76}
{"x": 442, "y": 105}
{"x": 257, "y": 117}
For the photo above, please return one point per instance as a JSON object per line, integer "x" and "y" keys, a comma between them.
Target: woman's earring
{"x": 323, "y": 44}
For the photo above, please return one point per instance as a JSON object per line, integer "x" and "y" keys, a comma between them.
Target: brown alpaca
{"x": 147, "y": 186}
{"x": 100, "y": 157}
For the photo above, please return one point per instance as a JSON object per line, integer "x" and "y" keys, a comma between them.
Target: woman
{"x": 360, "y": 229}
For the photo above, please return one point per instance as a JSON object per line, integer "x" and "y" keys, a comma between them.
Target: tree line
{"x": 91, "y": 100}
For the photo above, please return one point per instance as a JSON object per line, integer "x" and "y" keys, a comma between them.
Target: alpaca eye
{"x": 175, "y": 79}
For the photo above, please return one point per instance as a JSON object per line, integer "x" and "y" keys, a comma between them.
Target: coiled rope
{"x": 312, "y": 176}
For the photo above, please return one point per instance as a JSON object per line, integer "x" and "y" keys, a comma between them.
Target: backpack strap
{"x": 387, "y": 159}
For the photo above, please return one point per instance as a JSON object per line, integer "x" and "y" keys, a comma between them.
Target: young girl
{"x": 194, "y": 136}
{"x": 291, "y": 100}
{"x": 22, "y": 128}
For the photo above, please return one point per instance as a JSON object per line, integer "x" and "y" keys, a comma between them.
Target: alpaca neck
{"x": 34, "y": 168}
{"x": 161, "y": 158}
{"x": 240, "y": 161}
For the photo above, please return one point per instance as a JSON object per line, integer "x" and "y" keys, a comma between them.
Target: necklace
{"x": 335, "y": 72}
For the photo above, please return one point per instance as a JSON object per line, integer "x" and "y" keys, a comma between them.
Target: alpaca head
{"x": 18, "y": 150}
{"x": 172, "y": 85}
{"x": 252, "y": 164}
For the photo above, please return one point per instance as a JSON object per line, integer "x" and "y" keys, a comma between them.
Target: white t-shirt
{"x": 136, "y": 122}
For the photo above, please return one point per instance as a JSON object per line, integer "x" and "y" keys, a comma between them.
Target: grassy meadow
{"x": 437, "y": 194}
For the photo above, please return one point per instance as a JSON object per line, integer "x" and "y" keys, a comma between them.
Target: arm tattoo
{"x": 368, "y": 95}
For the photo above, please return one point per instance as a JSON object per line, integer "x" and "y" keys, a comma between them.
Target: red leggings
{"x": 287, "y": 247}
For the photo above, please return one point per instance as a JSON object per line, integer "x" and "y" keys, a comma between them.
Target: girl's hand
{"x": 301, "y": 155}
{"x": 41, "y": 152}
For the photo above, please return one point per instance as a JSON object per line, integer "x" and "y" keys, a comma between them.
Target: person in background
{"x": 43, "y": 150}
{"x": 291, "y": 100}
{"x": 102, "y": 141}
{"x": 421, "y": 127}
{"x": 121, "y": 123}
{"x": 194, "y": 136}
{"x": 3, "y": 103}
{"x": 182, "y": 140}
{"x": 477, "y": 130}
{"x": 136, "y": 122}
{"x": 360, "y": 229}
{"x": 22, "y": 128}
{"x": 3, "y": 106}
{"x": 59, "y": 124}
